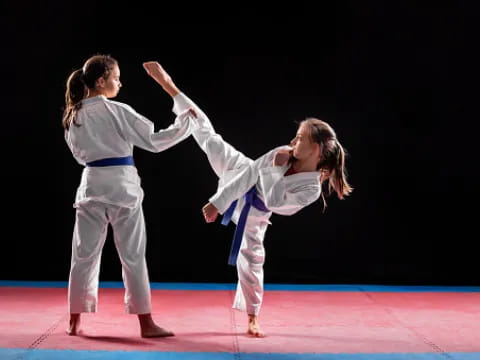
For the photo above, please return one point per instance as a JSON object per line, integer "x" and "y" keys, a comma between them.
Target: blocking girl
{"x": 101, "y": 135}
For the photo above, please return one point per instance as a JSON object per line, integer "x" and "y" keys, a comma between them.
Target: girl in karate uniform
{"x": 101, "y": 135}
{"x": 283, "y": 181}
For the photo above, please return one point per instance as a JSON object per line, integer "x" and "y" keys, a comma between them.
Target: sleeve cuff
{"x": 218, "y": 203}
{"x": 180, "y": 104}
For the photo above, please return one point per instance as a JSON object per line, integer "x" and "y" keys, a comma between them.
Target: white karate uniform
{"x": 113, "y": 194}
{"x": 284, "y": 195}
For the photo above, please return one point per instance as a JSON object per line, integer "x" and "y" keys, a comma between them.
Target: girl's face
{"x": 302, "y": 144}
{"x": 111, "y": 86}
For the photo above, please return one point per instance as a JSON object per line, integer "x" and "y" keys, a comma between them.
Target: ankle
{"x": 145, "y": 319}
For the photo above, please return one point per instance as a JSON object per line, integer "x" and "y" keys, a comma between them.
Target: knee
{"x": 84, "y": 253}
{"x": 254, "y": 256}
{"x": 136, "y": 260}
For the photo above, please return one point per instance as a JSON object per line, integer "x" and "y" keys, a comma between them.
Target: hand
{"x": 210, "y": 213}
{"x": 156, "y": 71}
{"x": 192, "y": 112}
{"x": 324, "y": 175}
{"x": 282, "y": 156}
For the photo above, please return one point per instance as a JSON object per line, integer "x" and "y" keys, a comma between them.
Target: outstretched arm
{"x": 158, "y": 73}
{"x": 140, "y": 131}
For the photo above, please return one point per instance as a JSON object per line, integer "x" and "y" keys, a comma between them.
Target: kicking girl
{"x": 283, "y": 181}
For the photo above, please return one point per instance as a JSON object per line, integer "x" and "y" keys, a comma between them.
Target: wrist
{"x": 170, "y": 88}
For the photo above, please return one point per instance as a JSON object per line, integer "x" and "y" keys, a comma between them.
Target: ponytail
{"x": 332, "y": 159}
{"x": 338, "y": 180}
{"x": 75, "y": 93}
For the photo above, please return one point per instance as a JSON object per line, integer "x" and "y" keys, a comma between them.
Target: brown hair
{"x": 332, "y": 158}
{"x": 80, "y": 81}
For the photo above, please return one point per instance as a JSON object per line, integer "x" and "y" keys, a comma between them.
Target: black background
{"x": 395, "y": 82}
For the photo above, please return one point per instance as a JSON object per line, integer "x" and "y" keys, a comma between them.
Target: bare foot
{"x": 155, "y": 331}
{"x": 149, "y": 329}
{"x": 74, "y": 326}
{"x": 254, "y": 327}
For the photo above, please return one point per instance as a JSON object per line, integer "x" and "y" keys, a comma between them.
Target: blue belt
{"x": 251, "y": 199}
{"x": 127, "y": 160}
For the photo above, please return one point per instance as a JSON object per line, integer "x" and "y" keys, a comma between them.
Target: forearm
{"x": 235, "y": 189}
{"x": 169, "y": 86}
{"x": 141, "y": 133}
{"x": 175, "y": 133}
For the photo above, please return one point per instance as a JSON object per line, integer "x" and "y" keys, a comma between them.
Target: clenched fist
{"x": 282, "y": 157}
{"x": 210, "y": 213}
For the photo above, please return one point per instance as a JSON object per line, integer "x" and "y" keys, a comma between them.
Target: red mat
{"x": 295, "y": 322}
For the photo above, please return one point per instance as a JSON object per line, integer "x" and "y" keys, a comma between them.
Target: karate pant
{"x": 91, "y": 224}
{"x": 226, "y": 161}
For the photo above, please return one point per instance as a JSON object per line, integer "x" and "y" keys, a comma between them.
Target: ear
{"x": 100, "y": 83}
{"x": 318, "y": 151}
